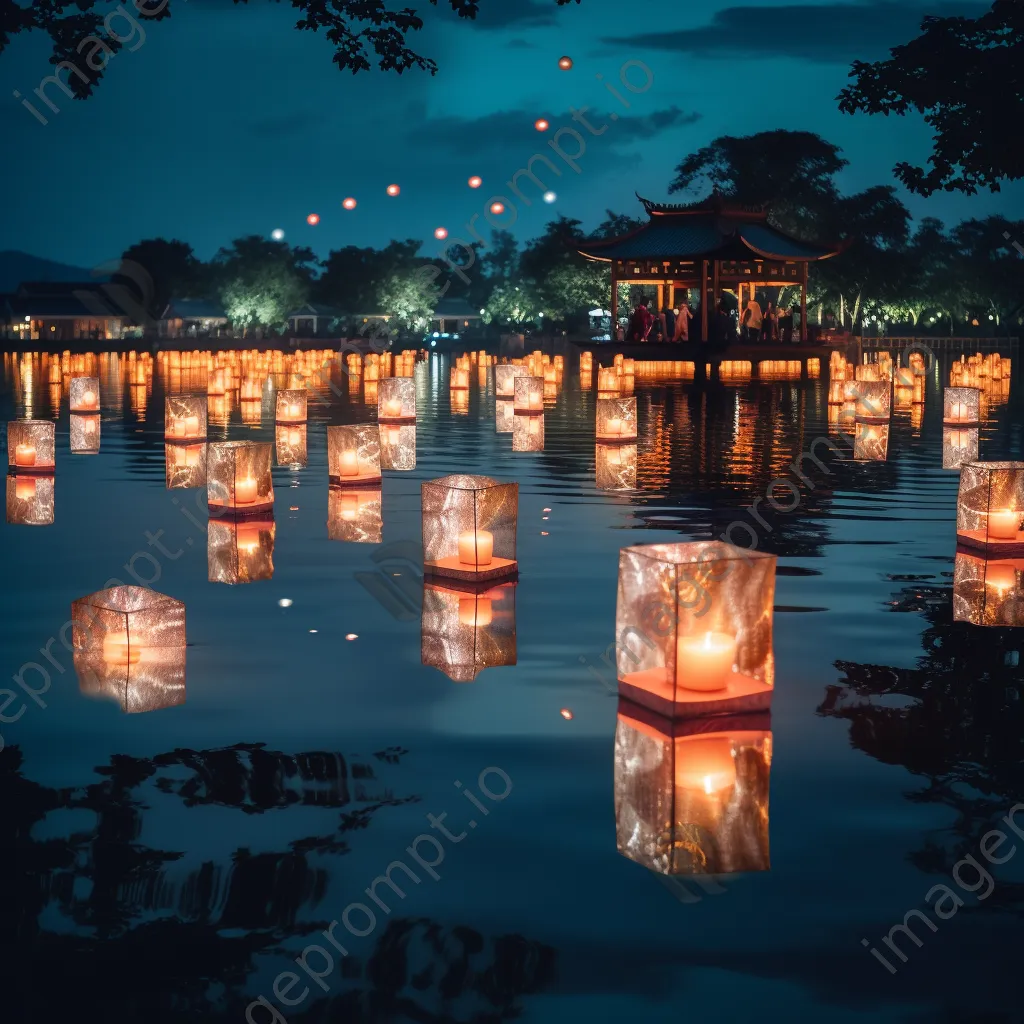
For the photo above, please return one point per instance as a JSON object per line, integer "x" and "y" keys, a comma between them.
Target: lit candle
{"x": 294, "y": 411}
{"x": 475, "y": 611}
{"x": 177, "y": 428}
{"x": 393, "y": 408}
{"x": 615, "y": 426}
{"x": 90, "y": 426}
{"x": 294, "y": 437}
{"x": 1002, "y": 577}
{"x": 476, "y": 547}
{"x": 25, "y": 455}
{"x": 1004, "y": 525}
{"x": 959, "y": 412}
{"x": 705, "y": 662}
{"x": 392, "y": 435}
{"x": 25, "y": 488}
{"x": 247, "y": 538}
{"x": 614, "y": 459}
{"x": 959, "y": 439}
{"x": 245, "y": 491}
{"x": 536, "y": 400}
{"x": 349, "y": 507}
{"x": 89, "y": 400}
{"x": 191, "y": 426}
{"x": 118, "y": 651}
{"x": 349, "y": 464}
{"x": 705, "y": 764}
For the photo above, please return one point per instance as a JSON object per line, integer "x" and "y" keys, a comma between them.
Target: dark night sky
{"x": 226, "y": 121}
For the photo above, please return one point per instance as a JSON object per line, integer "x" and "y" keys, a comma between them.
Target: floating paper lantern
{"x": 959, "y": 445}
{"x": 565, "y": 63}
{"x": 902, "y": 397}
{"x": 463, "y": 631}
{"x": 398, "y": 447}
{"x": 694, "y": 628}
{"x": 441, "y": 233}
{"x": 393, "y": 190}
{"x": 85, "y": 433}
{"x": 238, "y": 478}
{"x": 504, "y": 415}
{"x": 497, "y": 209}
{"x": 475, "y": 181}
{"x": 541, "y": 124}
{"x": 904, "y": 377}
{"x": 185, "y": 418}
{"x": 350, "y": 203}
{"x": 691, "y": 797}
{"x": 990, "y": 506}
{"x": 961, "y": 407}
{"x": 867, "y": 372}
{"x": 874, "y": 401}
{"x": 396, "y": 400}
{"x": 528, "y": 395}
{"x": 813, "y": 368}
{"x": 505, "y": 378}
{"x": 733, "y": 370}
{"x": 616, "y": 419}
{"x": 836, "y": 391}
{"x": 459, "y": 378}
{"x": 354, "y": 514}
{"x": 550, "y": 374}
{"x": 586, "y": 360}
{"x": 240, "y": 551}
{"x": 615, "y": 467}
{"x": 988, "y": 591}
{"x": 353, "y": 454}
{"x": 30, "y": 446}
{"x": 527, "y": 432}
{"x": 608, "y": 380}
{"x": 313, "y": 219}
{"x": 469, "y": 527}
{"x": 871, "y": 442}
{"x": 217, "y": 382}
{"x": 291, "y": 406}
{"x": 84, "y": 394}
{"x": 290, "y": 445}
{"x": 185, "y": 465}
{"x": 30, "y": 500}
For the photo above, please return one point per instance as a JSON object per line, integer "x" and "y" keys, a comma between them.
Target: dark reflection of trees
{"x": 96, "y": 924}
{"x": 956, "y": 720}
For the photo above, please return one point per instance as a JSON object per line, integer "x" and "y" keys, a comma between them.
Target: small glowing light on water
{"x": 349, "y": 203}
{"x": 566, "y": 714}
{"x": 393, "y": 190}
{"x": 476, "y": 181}
{"x": 550, "y": 197}
{"x": 313, "y": 219}
{"x": 441, "y": 233}
{"x": 351, "y": 636}
{"x": 545, "y": 510}
{"x": 277, "y": 234}
{"x": 497, "y": 208}
{"x": 285, "y": 602}
{"x": 544, "y": 533}
{"x": 541, "y": 125}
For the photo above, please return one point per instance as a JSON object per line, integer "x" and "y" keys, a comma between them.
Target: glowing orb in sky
{"x": 441, "y": 233}
{"x": 313, "y": 219}
{"x": 277, "y": 234}
{"x": 565, "y": 63}
{"x": 393, "y": 190}
{"x": 550, "y": 197}
{"x": 566, "y": 714}
{"x": 541, "y": 125}
{"x": 497, "y": 208}
{"x": 476, "y": 181}
{"x": 349, "y": 204}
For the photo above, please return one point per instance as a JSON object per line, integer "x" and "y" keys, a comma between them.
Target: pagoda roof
{"x": 715, "y": 228}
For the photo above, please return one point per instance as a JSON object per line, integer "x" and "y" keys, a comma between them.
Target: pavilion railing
{"x": 939, "y": 344}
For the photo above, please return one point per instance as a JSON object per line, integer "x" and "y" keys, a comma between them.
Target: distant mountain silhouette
{"x": 16, "y": 267}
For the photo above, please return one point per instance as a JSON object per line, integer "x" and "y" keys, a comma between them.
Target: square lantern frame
{"x": 615, "y": 467}
{"x": 398, "y": 446}
{"x": 870, "y": 441}
{"x": 528, "y": 399}
{"x": 240, "y": 551}
{"x": 959, "y": 446}
{"x": 469, "y": 528}
{"x": 504, "y": 379}
{"x": 396, "y": 400}
{"x": 354, "y": 514}
{"x": 990, "y": 507}
{"x": 84, "y": 394}
{"x": 122, "y": 622}
{"x": 874, "y": 401}
{"x": 291, "y": 445}
{"x": 616, "y": 420}
{"x": 238, "y": 478}
{"x": 961, "y": 407}
{"x": 31, "y": 446}
{"x": 292, "y": 406}
{"x": 988, "y": 591}
{"x": 185, "y": 419}
{"x": 30, "y": 500}
{"x": 693, "y": 628}
{"x": 84, "y": 433}
{"x": 353, "y": 454}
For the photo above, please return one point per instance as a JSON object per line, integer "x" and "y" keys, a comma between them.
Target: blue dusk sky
{"x": 227, "y": 121}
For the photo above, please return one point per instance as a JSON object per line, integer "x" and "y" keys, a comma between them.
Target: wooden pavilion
{"x": 714, "y": 245}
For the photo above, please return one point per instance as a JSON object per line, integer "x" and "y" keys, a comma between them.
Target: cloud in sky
{"x": 824, "y": 33}
{"x": 496, "y": 14}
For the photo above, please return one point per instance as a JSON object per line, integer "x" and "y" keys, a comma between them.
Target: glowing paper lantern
{"x": 475, "y": 181}
{"x": 441, "y": 233}
{"x": 871, "y": 442}
{"x": 616, "y": 419}
{"x": 565, "y": 63}
{"x": 84, "y": 394}
{"x": 608, "y": 379}
{"x": 393, "y": 190}
{"x": 350, "y": 203}
{"x": 353, "y": 454}
{"x": 240, "y": 551}
{"x": 874, "y": 401}
{"x": 30, "y": 446}
{"x": 615, "y": 467}
{"x": 290, "y": 445}
{"x": 990, "y": 507}
{"x": 527, "y": 432}
{"x": 497, "y": 208}
{"x": 313, "y": 219}
{"x": 398, "y": 446}
{"x": 291, "y": 406}
{"x": 469, "y": 527}
{"x": 185, "y": 418}
{"x": 185, "y": 466}
{"x": 396, "y": 400}
{"x": 961, "y": 406}
{"x": 464, "y": 631}
{"x": 504, "y": 415}
{"x": 541, "y": 125}
{"x": 694, "y": 628}
{"x": 904, "y": 377}
{"x": 835, "y": 392}
{"x": 238, "y": 478}
{"x": 354, "y": 514}
{"x": 867, "y": 372}
{"x": 988, "y": 591}
{"x": 85, "y": 433}
{"x": 29, "y": 500}
{"x": 959, "y": 445}
{"x": 691, "y": 797}
{"x": 528, "y": 395}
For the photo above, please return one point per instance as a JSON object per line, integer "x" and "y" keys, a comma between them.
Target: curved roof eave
{"x": 765, "y": 254}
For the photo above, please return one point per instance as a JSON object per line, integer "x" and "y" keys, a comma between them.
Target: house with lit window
{"x": 59, "y": 311}
{"x": 193, "y": 318}
{"x": 453, "y": 317}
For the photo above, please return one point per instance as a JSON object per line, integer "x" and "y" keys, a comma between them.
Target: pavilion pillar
{"x": 671, "y": 295}
{"x": 614, "y": 305}
{"x": 704, "y": 300}
{"x": 715, "y": 297}
{"x": 803, "y": 306}
{"x": 661, "y": 297}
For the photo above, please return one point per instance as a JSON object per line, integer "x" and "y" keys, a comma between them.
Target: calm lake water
{"x": 176, "y": 861}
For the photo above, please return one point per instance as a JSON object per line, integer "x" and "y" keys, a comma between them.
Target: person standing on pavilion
{"x": 751, "y": 320}
{"x": 682, "y": 331}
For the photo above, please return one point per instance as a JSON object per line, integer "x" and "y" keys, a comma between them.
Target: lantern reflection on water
{"x": 990, "y": 506}
{"x": 290, "y": 445}
{"x": 465, "y": 630}
{"x": 240, "y": 551}
{"x": 458, "y": 402}
{"x": 469, "y": 527}
{"x": 185, "y": 417}
{"x": 615, "y": 467}
{"x": 398, "y": 447}
{"x": 238, "y": 478}
{"x": 988, "y": 591}
{"x": 396, "y": 399}
{"x": 527, "y": 433}
{"x": 84, "y": 394}
{"x": 871, "y": 442}
{"x": 85, "y": 433}
{"x": 30, "y": 446}
{"x": 528, "y": 394}
{"x": 504, "y": 415}
{"x": 353, "y": 453}
{"x": 354, "y": 515}
{"x": 959, "y": 445}
{"x": 185, "y": 465}
{"x": 694, "y": 622}
{"x": 30, "y": 500}
{"x": 691, "y": 798}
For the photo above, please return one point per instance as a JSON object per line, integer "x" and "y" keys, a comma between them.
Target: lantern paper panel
{"x": 238, "y": 477}
{"x": 84, "y": 394}
{"x": 469, "y": 527}
{"x": 842, "y": 418}
{"x": 185, "y": 417}
{"x": 608, "y": 380}
{"x": 504, "y": 414}
{"x": 30, "y": 500}
{"x": 30, "y": 446}
{"x": 903, "y": 397}
{"x": 874, "y": 401}
{"x": 988, "y": 591}
{"x": 354, "y": 515}
{"x": 616, "y": 419}
{"x": 527, "y": 432}
{"x": 218, "y": 410}
{"x": 961, "y": 406}
{"x": 353, "y": 453}
{"x": 185, "y": 466}
{"x": 867, "y": 373}
{"x": 398, "y": 447}
{"x": 871, "y": 442}
{"x": 615, "y": 467}
{"x": 959, "y": 445}
{"x": 694, "y": 628}
{"x": 464, "y": 631}
{"x": 290, "y": 447}
{"x": 120, "y": 624}
{"x": 529, "y": 394}
{"x": 904, "y": 377}
{"x": 396, "y": 399}
{"x": 836, "y": 391}
{"x": 291, "y": 406}
{"x": 504, "y": 380}
{"x": 990, "y": 505}
{"x": 240, "y": 551}
{"x": 154, "y": 682}
{"x": 691, "y": 798}
{"x": 85, "y": 433}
